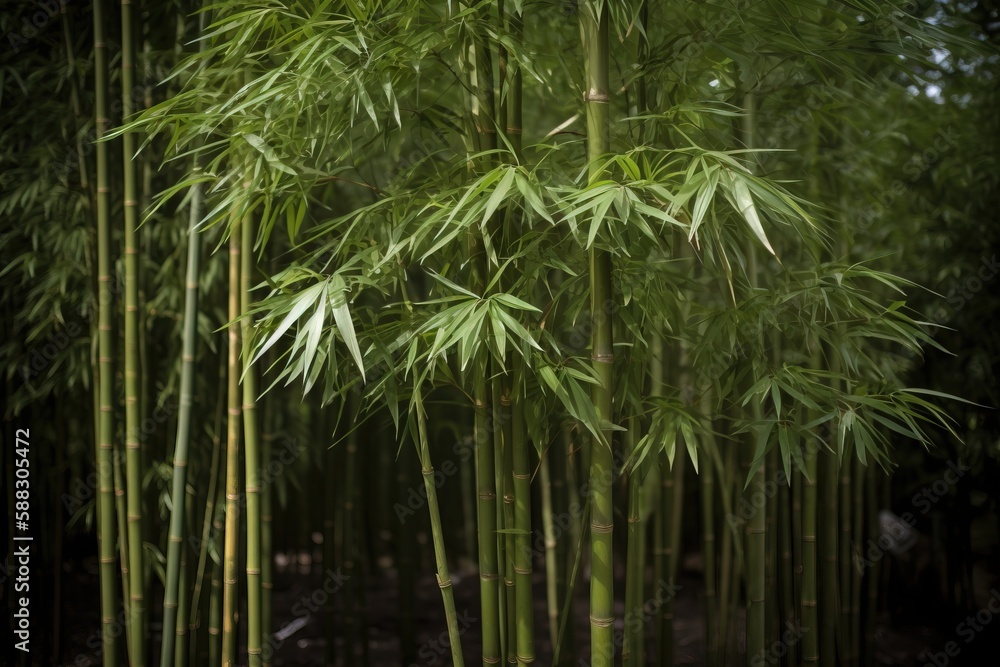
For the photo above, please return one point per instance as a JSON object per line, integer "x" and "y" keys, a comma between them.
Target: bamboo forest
{"x": 505, "y": 332}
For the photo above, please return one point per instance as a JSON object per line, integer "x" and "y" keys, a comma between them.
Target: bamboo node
{"x": 602, "y": 622}
{"x": 443, "y": 584}
{"x": 522, "y": 476}
{"x": 489, "y": 577}
{"x": 522, "y": 570}
{"x": 601, "y": 527}
{"x": 596, "y": 96}
{"x": 491, "y": 660}
{"x": 255, "y": 571}
{"x": 525, "y": 658}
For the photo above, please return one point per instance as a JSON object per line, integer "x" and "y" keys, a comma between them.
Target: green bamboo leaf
{"x": 512, "y": 301}
{"x": 747, "y": 209}
{"x": 342, "y": 316}
{"x": 303, "y": 302}
{"x": 499, "y": 194}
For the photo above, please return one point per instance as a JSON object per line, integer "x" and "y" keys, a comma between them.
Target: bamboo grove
{"x": 552, "y": 296}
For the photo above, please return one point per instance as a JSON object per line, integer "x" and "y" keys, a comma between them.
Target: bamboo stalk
{"x": 266, "y": 549}
{"x": 844, "y": 561}
{"x": 437, "y": 535}
{"x": 105, "y": 500}
{"x": 212, "y": 505}
{"x": 121, "y": 513}
{"x": 706, "y": 478}
{"x": 858, "y": 502}
{"x": 524, "y": 598}
{"x": 594, "y": 31}
{"x": 506, "y": 543}
{"x": 756, "y": 528}
{"x": 186, "y": 399}
{"x": 231, "y": 549}
{"x": 252, "y": 448}
{"x": 633, "y": 646}
{"x": 808, "y": 603}
{"x": 788, "y": 614}
{"x": 180, "y": 635}
{"x": 549, "y": 534}
{"x": 133, "y": 381}
{"x": 829, "y": 571}
{"x": 330, "y": 525}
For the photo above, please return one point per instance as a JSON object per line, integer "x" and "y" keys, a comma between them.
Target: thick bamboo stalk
{"x": 489, "y": 575}
{"x": 233, "y": 428}
{"x": 105, "y": 473}
{"x": 252, "y": 449}
{"x": 133, "y": 381}
{"x": 594, "y": 31}
{"x": 524, "y": 598}
{"x": 215, "y": 612}
{"x": 506, "y": 546}
{"x": 186, "y": 400}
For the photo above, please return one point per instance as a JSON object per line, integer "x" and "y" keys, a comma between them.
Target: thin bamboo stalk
{"x": 633, "y": 646}
{"x": 186, "y": 399}
{"x": 105, "y": 473}
{"x": 706, "y": 478}
{"x": 233, "y": 428}
{"x": 212, "y": 506}
{"x": 437, "y": 536}
{"x": 348, "y": 543}
{"x": 252, "y": 449}
{"x": 755, "y": 529}
{"x": 808, "y": 602}
{"x": 266, "y": 548}
{"x": 829, "y": 571}
{"x": 180, "y": 635}
{"x": 330, "y": 515}
{"x": 858, "y": 510}
{"x": 549, "y": 534}
{"x": 785, "y": 566}
{"x": 121, "y": 513}
{"x": 844, "y": 561}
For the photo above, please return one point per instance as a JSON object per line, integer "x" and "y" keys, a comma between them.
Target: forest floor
{"x": 906, "y": 644}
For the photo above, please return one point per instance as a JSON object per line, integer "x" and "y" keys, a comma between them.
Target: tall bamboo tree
{"x": 232, "y": 537}
{"x": 594, "y": 31}
{"x": 252, "y": 449}
{"x": 105, "y": 305}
